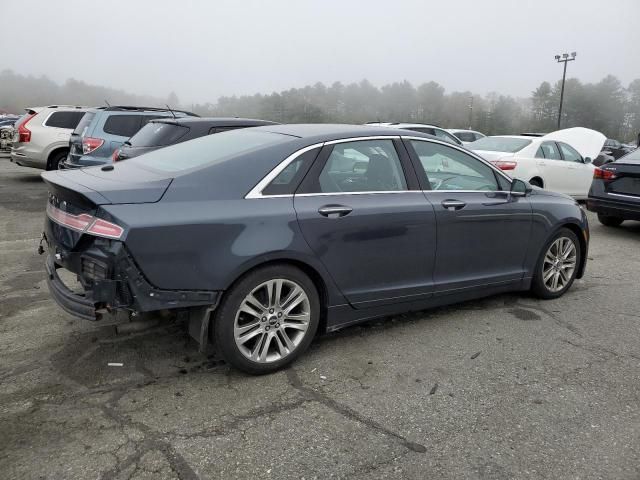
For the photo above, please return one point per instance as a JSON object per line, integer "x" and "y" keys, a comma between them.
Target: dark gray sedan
{"x": 263, "y": 236}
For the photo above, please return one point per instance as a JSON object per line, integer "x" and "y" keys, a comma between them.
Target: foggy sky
{"x": 204, "y": 49}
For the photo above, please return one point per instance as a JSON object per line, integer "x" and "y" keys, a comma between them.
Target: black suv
{"x": 163, "y": 132}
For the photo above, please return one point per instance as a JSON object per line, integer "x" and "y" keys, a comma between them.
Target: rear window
{"x": 466, "y": 136}
{"x": 158, "y": 134}
{"x": 122, "y": 125}
{"x": 64, "y": 119}
{"x": 499, "y": 144}
{"x": 209, "y": 150}
{"x": 81, "y": 128}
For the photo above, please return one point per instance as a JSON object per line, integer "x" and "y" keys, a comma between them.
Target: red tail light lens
{"x": 505, "y": 164}
{"x": 114, "y": 156}
{"x": 85, "y": 223}
{"x": 90, "y": 144}
{"x": 24, "y": 134}
{"x": 604, "y": 174}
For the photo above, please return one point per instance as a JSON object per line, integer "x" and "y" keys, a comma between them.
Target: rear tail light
{"x": 85, "y": 223}
{"x": 24, "y": 134}
{"x": 604, "y": 174}
{"x": 114, "y": 156}
{"x": 505, "y": 164}
{"x": 90, "y": 144}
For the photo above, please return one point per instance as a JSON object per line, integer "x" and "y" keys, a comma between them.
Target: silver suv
{"x": 41, "y": 138}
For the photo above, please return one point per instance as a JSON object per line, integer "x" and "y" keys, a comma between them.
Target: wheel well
{"x": 54, "y": 153}
{"x": 583, "y": 246}
{"x": 537, "y": 179}
{"x": 312, "y": 273}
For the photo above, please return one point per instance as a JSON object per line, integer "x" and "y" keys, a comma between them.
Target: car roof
{"x": 213, "y": 121}
{"x": 403, "y": 125}
{"x": 327, "y": 131}
{"x": 137, "y": 109}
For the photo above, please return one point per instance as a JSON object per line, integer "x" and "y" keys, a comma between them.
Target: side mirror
{"x": 520, "y": 188}
{"x": 587, "y": 160}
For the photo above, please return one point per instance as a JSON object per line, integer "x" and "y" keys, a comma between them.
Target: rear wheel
{"x": 267, "y": 319}
{"x": 56, "y": 160}
{"x": 610, "y": 221}
{"x": 557, "y": 266}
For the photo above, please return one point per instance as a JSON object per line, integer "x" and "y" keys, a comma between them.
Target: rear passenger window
{"x": 122, "y": 125}
{"x": 548, "y": 150}
{"x": 363, "y": 166}
{"x": 64, "y": 119}
{"x": 223, "y": 129}
{"x": 288, "y": 179}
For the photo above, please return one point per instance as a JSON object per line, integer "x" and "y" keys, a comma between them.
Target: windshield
{"x": 499, "y": 144}
{"x": 209, "y": 150}
{"x": 158, "y": 134}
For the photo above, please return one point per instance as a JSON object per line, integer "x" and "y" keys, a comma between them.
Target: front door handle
{"x": 453, "y": 204}
{"x": 334, "y": 211}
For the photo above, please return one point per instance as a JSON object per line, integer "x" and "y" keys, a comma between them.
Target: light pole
{"x": 470, "y": 112}
{"x": 563, "y": 59}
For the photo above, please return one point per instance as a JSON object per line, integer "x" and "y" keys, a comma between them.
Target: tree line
{"x": 606, "y": 106}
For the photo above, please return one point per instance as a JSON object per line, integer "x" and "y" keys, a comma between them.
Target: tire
{"x": 56, "y": 159}
{"x": 265, "y": 328}
{"x": 608, "y": 221}
{"x": 561, "y": 268}
{"x": 536, "y": 182}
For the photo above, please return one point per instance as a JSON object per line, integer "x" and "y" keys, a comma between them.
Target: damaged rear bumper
{"x": 111, "y": 281}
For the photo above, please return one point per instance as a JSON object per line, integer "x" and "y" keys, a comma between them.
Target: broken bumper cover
{"x": 122, "y": 288}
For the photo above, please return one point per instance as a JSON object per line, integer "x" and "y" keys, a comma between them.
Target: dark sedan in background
{"x": 265, "y": 235}
{"x": 163, "y": 132}
{"x": 615, "y": 190}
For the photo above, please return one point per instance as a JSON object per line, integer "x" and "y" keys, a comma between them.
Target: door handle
{"x": 453, "y": 204}
{"x": 334, "y": 211}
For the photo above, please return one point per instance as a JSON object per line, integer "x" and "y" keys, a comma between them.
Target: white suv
{"x": 41, "y": 138}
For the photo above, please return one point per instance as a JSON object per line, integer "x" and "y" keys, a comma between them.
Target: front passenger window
{"x": 451, "y": 169}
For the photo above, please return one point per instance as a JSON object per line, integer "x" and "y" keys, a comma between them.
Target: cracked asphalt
{"x": 501, "y": 388}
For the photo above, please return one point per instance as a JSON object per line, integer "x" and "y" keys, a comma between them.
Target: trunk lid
{"x": 627, "y": 181}
{"x": 493, "y": 156}
{"x": 587, "y": 142}
{"x": 112, "y": 184}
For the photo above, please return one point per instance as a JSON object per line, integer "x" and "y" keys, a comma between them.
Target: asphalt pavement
{"x": 502, "y": 388}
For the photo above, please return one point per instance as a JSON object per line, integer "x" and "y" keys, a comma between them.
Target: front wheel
{"x": 608, "y": 221}
{"x": 557, "y": 266}
{"x": 267, "y": 319}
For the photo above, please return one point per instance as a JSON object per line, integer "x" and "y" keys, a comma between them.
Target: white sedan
{"x": 559, "y": 161}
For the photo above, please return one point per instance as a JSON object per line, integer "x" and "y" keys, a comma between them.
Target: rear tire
{"x": 267, "y": 319}
{"x": 56, "y": 160}
{"x": 557, "y": 266}
{"x": 609, "y": 221}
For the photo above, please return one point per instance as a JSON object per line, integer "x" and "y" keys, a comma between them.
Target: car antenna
{"x": 107, "y": 103}
{"x": 174, "y": 115}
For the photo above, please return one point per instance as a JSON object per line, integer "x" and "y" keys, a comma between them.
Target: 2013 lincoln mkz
{"x": 265, "y": 236}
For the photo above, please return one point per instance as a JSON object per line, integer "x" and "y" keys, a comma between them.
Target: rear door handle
{"x": 334, "y": 211}
{"x": 453, "y": 204}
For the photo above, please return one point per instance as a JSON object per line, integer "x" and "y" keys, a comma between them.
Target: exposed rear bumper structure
{"x": 615, "y": 208}
{"x": 73, "y": 303}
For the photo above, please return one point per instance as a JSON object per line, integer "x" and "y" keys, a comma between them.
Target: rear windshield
{"x": 68, "y": 119}
{"x": 499, "y": 144}
{"x": 209, "y": 150}
{"x": 81, "y": 128}
{"x": 158, "y": 135}
{"x": 633, "y": 157}
{"x": 122, "y": 125}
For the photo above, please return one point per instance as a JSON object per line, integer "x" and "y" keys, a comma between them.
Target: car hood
{"x": 587, "y": 142}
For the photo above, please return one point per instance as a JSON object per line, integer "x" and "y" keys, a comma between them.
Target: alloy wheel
{"x": 272, "y": 320}
{"x": 559, "y": 264}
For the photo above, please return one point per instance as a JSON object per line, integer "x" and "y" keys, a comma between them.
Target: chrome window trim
{"x": 468, "y": 152}
{"x": 635, "y": 197}
{"x": 256, "y": 192}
